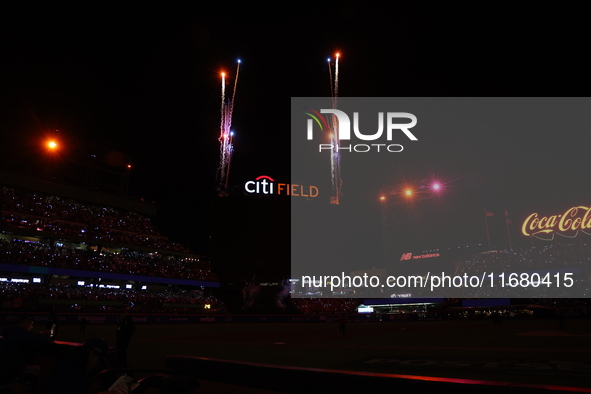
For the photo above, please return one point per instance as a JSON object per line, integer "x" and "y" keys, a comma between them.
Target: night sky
{"x": 145, "y": 82}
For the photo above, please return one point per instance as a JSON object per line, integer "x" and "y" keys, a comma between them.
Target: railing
{"x": 289, "y": 379}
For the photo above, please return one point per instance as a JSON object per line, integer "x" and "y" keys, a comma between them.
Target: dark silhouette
{"x": 561, "y": 317}
{"x": 496, "y": 318}
{"x": 125, "y": 330}
{"x": 74, "y": 373}
{"x": 25, "y": 383}
{"x": 18, "y": 348}
{"x": 342, "y": 323}
{"x": 82, "y": 324}
{"x": 51, "y": 325}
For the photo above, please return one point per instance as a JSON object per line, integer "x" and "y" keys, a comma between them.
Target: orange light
{"x": 408, "y": 192}
{"x": 383, "y": 198}
{"x": 52, "y": 145}
{"x": 129, "y": 166}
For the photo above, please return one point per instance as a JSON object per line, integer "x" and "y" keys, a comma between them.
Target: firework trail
{"x": 336, "y": 81}
{"x": 335, "y": 157}
{"x": 235, "y": 84}
{"x": 226, "y": 135}
{"x": 331, "y": 83}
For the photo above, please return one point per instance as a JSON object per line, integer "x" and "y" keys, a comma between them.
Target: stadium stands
{"x": 49, "y": 235}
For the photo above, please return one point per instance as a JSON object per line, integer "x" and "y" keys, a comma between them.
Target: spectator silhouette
{"x": 18, "y": 348}
{"x": 25, "y": 383}
{"x": 342, "y": 323}
{"x": 82, "y": 324}
{"x": 74, "y": 373}
{"x": 561, "y": 318}
{"x": 125, "y": 330}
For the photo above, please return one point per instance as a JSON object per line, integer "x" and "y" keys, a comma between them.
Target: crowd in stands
{"x": 552, "y": 255}
{"x": 55, "y": 215}
{"x": 119, "y": 231}
{"x": 542, "y": 261}
{"x": 134, "y": 301}
{"x": 326, "y": 305}
{"x": 350, "y": 305}
{"x": 82, "y": 300}
{"x": 127, "y": 262}
{"x": 555, "y": 302}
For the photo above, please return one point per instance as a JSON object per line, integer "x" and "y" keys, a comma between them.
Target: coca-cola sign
{"x": 574, "y": 219}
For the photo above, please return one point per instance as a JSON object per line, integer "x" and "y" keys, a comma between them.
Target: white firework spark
{"x": 226, "y": 134}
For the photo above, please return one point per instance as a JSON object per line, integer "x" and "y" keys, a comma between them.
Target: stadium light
{"x": 52, "y": 145}
{"x": 411, "y": 192}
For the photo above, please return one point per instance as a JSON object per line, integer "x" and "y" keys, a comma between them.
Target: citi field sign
{"x": 266, "y": 185}
{"x": 574, "y": 219}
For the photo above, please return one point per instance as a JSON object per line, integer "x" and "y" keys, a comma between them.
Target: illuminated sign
{"x": 266, "y": 185}
{"x": 259, "y": 186}
{"x": 364, "y": 309}
{"x": 575, "y": 218}
{"x": 409, "y": 256}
